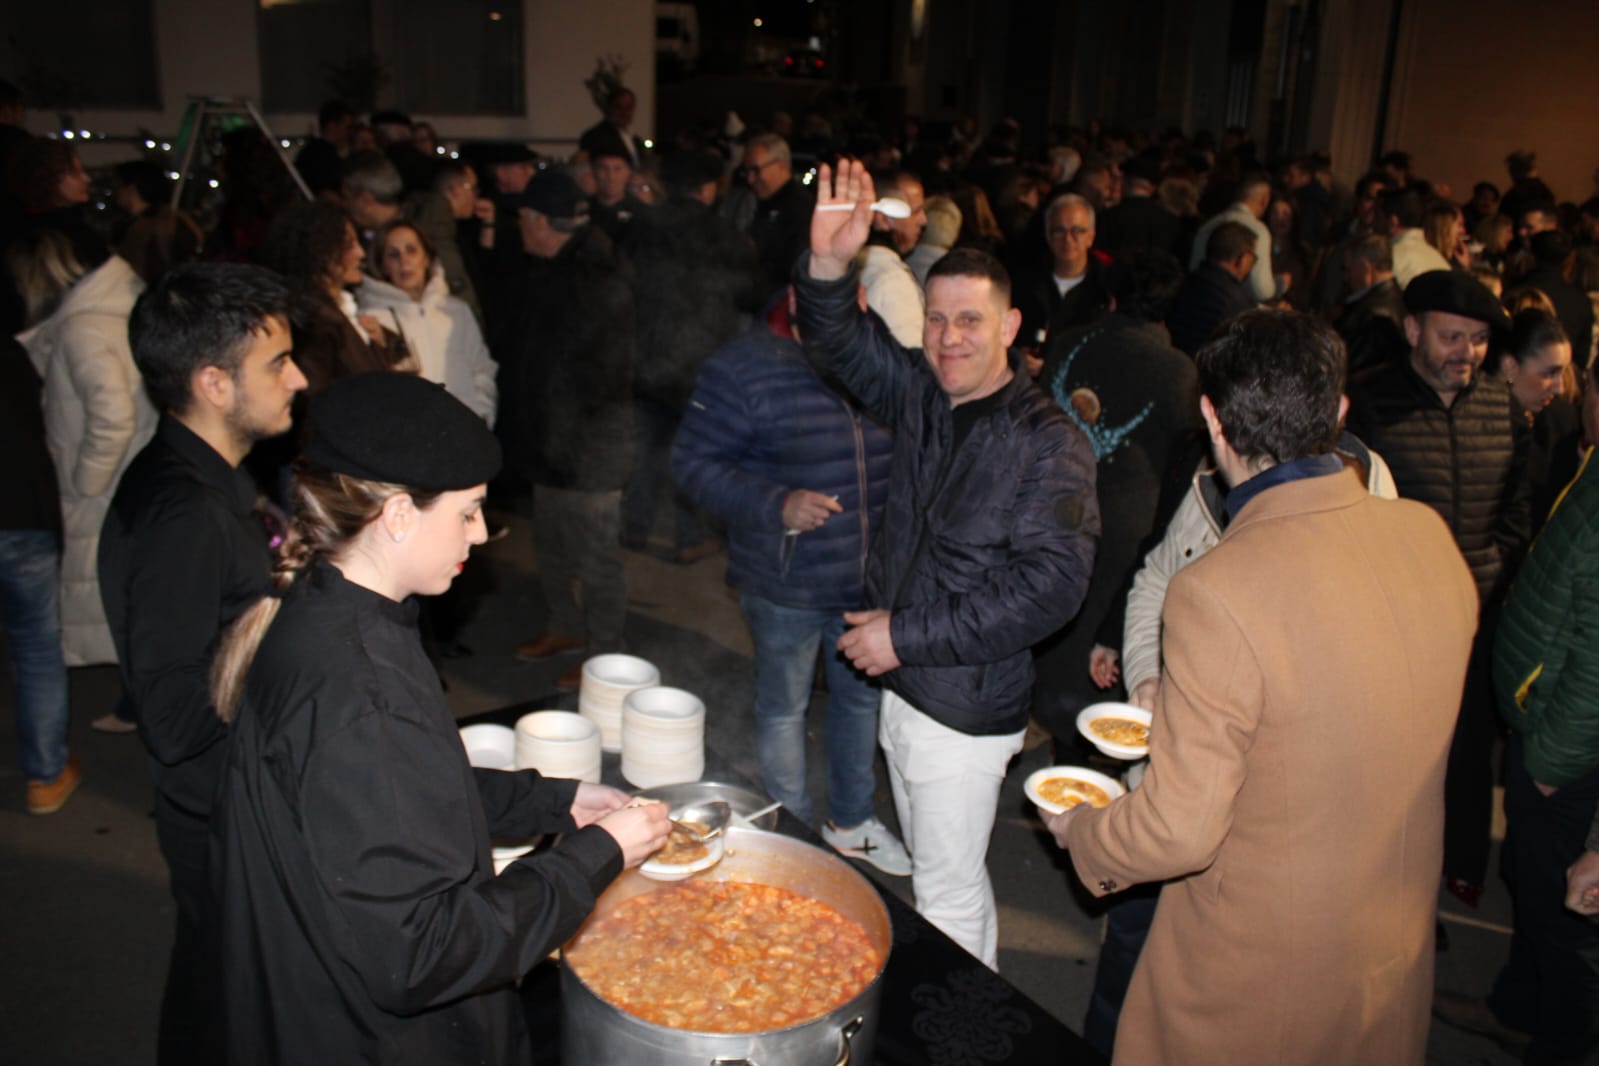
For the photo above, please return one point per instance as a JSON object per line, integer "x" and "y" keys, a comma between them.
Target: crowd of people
{"x": 996, "y": 426}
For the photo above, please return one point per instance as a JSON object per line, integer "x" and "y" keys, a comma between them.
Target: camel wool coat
{"x": 1294, "y": 798}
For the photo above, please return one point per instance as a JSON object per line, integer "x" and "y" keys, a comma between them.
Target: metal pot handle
{"x": 845, "y": 1034}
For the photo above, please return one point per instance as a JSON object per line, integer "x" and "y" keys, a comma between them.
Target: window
{"x": 316, "y": 50}
{"x": 71, "y": 54}
{"x": 463, "y": 57}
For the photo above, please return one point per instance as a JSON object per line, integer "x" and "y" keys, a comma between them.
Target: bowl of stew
{"x": 1120, "y": 730}
{"x": 1057, "y": 788}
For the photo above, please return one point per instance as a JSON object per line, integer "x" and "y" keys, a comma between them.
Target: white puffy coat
{"x": 97, "y": 417}
{"x": 442, "y": 335}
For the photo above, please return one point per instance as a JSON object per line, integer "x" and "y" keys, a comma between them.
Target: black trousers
{"x": 190, "y": 1031}
{"x": 1549, "y": 987}
{"x": 1469, "y": 780}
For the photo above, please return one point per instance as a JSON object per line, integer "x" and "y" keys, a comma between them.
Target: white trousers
{"x": 946, "y": 790}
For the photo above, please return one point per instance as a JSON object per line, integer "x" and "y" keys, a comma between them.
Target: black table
{"x": 940, "y": 1006}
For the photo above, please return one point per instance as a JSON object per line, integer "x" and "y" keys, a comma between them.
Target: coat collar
{"x": 1307, "y": 496}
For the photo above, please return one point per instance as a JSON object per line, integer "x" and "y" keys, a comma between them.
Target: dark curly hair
{"x": 1275, "y": 379}
{"x": 305, "y": 244}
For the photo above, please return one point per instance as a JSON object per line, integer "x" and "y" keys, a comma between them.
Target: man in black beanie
{"x": 182, "y": 554}
{"x": 573, "y": 361}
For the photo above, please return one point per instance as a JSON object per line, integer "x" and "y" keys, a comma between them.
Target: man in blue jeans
{"x": 800, "y": 475}
{"x": 30, "y": 579}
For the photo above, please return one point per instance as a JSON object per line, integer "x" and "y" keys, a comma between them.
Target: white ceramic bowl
{"x": 504, "y": 857}
{"x": 558, "y": 744}
{"x": 492, "y": 747}
{"x": 666, "y": 871}
{"x": 1111, "y": 786}
{"x": 607, "y": 679}
{"x": 1093, "y": 713}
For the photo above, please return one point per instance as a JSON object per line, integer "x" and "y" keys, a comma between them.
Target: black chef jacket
{"x": 361, "y": 918}
{"x": 182, "y": 554}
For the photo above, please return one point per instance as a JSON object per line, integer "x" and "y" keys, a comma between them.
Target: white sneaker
{"x": 871, "y": 841}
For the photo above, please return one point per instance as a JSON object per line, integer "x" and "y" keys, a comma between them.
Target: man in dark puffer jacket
{"x": 799, "y": 474}
{"x": 1453, "y": 442}
{"x": 986, "y": 545}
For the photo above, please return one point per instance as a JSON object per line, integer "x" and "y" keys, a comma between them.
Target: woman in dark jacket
{"x": 316, "y": 249}
{"x": 360, "y": 916}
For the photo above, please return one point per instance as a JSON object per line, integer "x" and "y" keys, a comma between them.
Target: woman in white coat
{"x": 97, "y": 417}
{"x": 440, "y": 330}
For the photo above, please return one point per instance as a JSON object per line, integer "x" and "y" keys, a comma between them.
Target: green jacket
{"x": 1546, "y": 658}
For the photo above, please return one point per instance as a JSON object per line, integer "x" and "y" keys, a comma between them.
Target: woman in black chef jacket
{"x": 361, "y": 920}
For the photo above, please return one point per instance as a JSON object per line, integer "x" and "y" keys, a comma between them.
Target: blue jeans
{"x": 786, "y": 643}
{"x": 30, "y": 604}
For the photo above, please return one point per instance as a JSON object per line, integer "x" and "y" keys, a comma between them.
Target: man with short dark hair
{"x": 613, "y": 206}
{"x": 1373, "y": 321}
{"x": 1139, "y": 222}
{"x": 1247, "y": 209}
{"x": 1549, "y": 251}
{"x": 1400, "y": 214}
{"x": 182, "y": 554}
{"x": 1455, "y": 441}
{"x": 318, "y": 160}
{"x": 986, "y": 545}
{"x": 892, "y": 290}
{"x": 1266, "y": 709}
{"x": 573, "y": 364}
{"x": 1217, "y": 290}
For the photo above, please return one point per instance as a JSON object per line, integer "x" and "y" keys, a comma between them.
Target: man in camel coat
{"x": 1294, "y": 799}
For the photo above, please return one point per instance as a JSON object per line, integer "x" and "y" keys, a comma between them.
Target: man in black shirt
{"x": 181, "y": 556}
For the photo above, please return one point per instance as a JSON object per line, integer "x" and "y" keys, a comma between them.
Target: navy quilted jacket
{"x": 984, "y": 550}
{"x": 760, "y": 425}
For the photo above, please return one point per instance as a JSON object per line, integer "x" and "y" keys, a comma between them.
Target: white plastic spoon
{"x": 888, "y": 207}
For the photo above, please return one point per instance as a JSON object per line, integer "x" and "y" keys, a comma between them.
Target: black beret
{"x": 1457, "y": 294}
{"x": 493, "y": 153}
{"x": 402, "y": 429}
{"x": 555, "y": 194}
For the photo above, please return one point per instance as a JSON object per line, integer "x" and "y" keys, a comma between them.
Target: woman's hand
{"x": 594, "y": 802}
{"x": 639, "y": 831}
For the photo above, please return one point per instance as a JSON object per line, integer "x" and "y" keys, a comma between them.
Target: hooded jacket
{"x": 97, "y": 417}
{"x": 442, "y": 335}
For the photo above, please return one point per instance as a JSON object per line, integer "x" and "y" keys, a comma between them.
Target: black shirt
{"x": 361, "y": 917}
{"x": 182, "y": 554}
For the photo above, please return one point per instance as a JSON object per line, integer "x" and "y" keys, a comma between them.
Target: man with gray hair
{"x": 374, "y": 194}
{"x": 1074, "y": 293}
{"x": 781, "y": 226}
{"x": 1247, "y": 209}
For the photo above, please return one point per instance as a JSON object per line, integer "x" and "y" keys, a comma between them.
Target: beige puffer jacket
{"x": 97, "y": 417}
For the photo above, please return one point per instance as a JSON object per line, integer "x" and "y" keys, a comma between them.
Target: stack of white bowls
{"x": 663, "y": 737}
{"x": 607, "y": 679}
{"x": 558, "y": 744}
{"x": 493, "y": 747}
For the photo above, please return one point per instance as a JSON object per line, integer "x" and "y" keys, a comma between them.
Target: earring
{"x": 398, "y": 537}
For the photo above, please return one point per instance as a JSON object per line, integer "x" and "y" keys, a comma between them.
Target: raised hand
{"x": 836, "y": 235}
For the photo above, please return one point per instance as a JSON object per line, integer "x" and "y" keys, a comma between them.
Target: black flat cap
{"x": 399, "y": 428}
{"x": 555, "y": 194}
{"x": 1456, "y": 294}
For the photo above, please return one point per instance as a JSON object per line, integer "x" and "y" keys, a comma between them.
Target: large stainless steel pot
{"x": 595, "y": 1033}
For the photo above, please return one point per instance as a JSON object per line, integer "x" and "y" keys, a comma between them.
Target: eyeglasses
{"x": 1078, "y": 232}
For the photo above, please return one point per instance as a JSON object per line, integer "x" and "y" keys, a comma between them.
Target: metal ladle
{"x": 712, "y": 814}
